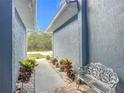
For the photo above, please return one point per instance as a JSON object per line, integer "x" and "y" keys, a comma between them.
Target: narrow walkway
{"x": 46, "y": 78}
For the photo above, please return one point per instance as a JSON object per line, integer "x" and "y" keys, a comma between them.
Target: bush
{"x": 39, "y": 41}
{"x": 26, "y": 69}
{"x": 57, "y": 65}
{"x": 47, "y": 57}
{"x": 62, "y": 62}
{"x": 26, "y": 65}
{"x": 32, "y": 62}
{"x": 36, "y": 56}
{"x": 54, "y": 61}
{"x": 66, "y": 66}
{"x": 69, "y": 69}
{"x": 62, "y": 65}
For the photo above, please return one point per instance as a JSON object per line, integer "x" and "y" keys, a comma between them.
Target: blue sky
{"x": 46, "y": 10}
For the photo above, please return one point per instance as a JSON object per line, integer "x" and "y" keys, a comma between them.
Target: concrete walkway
{"x": 46, "y": 78}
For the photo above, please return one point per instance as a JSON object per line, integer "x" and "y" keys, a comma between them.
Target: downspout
{"x": 84, "y": 48}
{"x": 75, "y": 1}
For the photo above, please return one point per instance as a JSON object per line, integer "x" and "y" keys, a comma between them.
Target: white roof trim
{"x": 27, "y": 12}
{"x": 66, "y": 12}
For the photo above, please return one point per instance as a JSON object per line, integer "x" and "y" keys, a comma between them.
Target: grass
{"x": 39, "y": 50}
{"x": 36, "y": 56}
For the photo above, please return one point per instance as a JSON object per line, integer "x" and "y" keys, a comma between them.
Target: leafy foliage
{"x": 39, "y": 41}
{"x": 48, "y": 57}
{"x": 66, "y": 66}
{"x": 53, "y": 60}
{"x": 26, "y": 69}
{"x": 36, "y": 56}
{"x": 25, "y": 64}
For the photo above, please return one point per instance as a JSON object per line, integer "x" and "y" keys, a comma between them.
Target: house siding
{"x": 12, "y": 45}
{"x": 96, "y": 35}
{"x": 19, "y": 45}
{"x": 6, "y": 46}
{"x": 70, "y": 40}
{"x": 106, "y": 35}
{"x": 66, "y": 41}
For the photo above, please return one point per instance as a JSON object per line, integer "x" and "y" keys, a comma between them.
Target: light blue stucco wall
{"x": 106, "y": 35}
{"x": 66, "y": 41}
{"x": 19, "y": 44}
{"x": 70, "y": 40}
{"x": 97, "y": 36}
{"x": 12, "y": 45}
{"x": 5, "y": 46}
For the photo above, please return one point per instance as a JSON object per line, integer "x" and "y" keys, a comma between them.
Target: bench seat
{"x": 99, "y": 77}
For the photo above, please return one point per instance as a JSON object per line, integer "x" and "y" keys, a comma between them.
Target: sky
{"x": 46, "y": 10}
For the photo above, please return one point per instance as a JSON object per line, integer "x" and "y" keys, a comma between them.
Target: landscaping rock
{"x": 29, "y": 87}
{"x": 26, "y": 87}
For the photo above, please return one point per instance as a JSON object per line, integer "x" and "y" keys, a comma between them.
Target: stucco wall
{"x": 19, "y": 44}
{"x": 101, "y": 25}
{"x": 12, "y": 45}
{"x": 66, "y": 41}
{"x": 5, "y": 46}
{"x": 106, "y": 35}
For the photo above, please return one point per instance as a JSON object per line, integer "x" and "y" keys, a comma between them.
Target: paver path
{"x": 46, "y": 78}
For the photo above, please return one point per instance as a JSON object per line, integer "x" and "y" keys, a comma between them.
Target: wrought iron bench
{"x": 98, "y": 77}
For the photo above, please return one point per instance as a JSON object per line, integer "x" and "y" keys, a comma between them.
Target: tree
{"x": 39, "y": 41}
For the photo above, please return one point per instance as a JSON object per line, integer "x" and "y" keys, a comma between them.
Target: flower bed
{"x": 25, "y": 83}
{"x": 64, "y": 65}
{"x": 28, "y": 87}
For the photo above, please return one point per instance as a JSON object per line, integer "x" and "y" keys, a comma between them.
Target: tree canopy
{"x": 39, "y": 41}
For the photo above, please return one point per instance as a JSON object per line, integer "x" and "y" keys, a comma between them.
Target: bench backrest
{"x": 102, "y": 73}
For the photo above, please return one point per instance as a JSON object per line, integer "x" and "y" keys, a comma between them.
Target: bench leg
{"x": 78, "y": 86}
{"x": 78, "y": 82}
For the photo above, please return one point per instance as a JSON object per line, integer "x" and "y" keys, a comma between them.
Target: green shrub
{"x": 68, "y": 68}
{"x": 62, "y": 62}
{"x": 33, "y": 62}
{"x": 48, "y": 57}
{"x": 57, "y": 65}
{"x": 54, "y": 61}
{"x": 65, "y": 64}
{"x": 61, "y": 66}
{"x": 36, "y": 56}
{"x": 26, "y": 65}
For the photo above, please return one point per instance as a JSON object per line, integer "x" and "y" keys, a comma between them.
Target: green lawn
{"x": 36, "y": 56}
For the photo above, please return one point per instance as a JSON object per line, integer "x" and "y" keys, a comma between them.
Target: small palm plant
{"x": 54, "y": 61}
{"x": 26, "y": 70}
{"x": 62, "y": 65}
{"x": 66, "y": 66}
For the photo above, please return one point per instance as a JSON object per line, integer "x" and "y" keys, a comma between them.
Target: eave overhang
{"x": 67, "y": 11}
{"x": 27, "y": 12}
